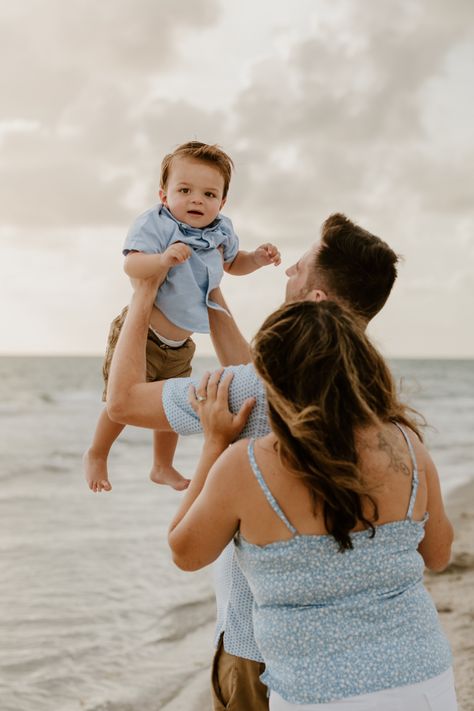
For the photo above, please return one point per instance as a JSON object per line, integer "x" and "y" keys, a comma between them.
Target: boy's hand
{"x": 267, "y": 254}
{"x": 176, "y": 253}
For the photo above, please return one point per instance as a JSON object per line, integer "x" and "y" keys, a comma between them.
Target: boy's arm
{"x": 139, "y": 265}
{"x": 230, "y": 345}
{"x": 248, "y": 262}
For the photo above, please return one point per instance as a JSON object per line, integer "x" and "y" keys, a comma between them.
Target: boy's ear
{"x": 223, "y": 202}
{"x": 163, "y": 197}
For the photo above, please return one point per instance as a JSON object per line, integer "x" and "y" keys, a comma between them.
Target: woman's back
{"x": 386, "y": 465}
{"x": 334, "y": 624}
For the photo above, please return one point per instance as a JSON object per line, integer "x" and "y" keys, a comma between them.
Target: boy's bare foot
{"x": 168, "y": 475}
{"x": 95, "y": 469}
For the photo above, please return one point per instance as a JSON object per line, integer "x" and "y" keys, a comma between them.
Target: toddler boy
{"x": 189, "y": 244}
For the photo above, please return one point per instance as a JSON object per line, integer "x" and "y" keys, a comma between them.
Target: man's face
{"x": 301, "y": 276}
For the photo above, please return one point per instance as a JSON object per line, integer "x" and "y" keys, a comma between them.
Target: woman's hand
{"x": 210, "y": 401}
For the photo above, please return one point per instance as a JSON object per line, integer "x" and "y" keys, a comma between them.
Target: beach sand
{"x": 452, "y": 591}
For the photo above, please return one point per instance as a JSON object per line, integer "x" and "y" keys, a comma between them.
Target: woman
{"x": 334, "y": 515}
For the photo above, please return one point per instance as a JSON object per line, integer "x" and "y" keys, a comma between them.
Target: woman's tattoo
{"x": 396, "y": 461}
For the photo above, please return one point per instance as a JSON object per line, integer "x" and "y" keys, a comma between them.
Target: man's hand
{"x": 176, "y": 253}
{"x": 267, "y": 254}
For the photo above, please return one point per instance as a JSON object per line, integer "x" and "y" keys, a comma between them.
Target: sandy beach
{"x": 453, "y": 593}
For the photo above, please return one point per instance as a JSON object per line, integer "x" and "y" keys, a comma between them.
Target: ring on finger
{"x": 201, "y": 398}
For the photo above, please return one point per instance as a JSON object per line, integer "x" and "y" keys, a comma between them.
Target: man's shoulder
{"x": 246, "y": 382}
{"x": 245, "y": 371}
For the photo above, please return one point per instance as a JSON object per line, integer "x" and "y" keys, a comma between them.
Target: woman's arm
{"x": 435, "y": 547}
{"x": 207, "y": 518}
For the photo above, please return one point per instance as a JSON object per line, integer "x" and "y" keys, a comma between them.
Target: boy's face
{"x": 194, "y": 193}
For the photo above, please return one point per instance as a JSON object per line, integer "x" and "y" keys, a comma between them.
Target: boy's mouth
{"x": 195, "y": 212}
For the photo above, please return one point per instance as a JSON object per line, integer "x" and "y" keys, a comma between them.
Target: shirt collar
{"x": 162, "y": 209}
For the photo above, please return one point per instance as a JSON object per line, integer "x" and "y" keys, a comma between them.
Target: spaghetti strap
{"x": 414, "y": 481}
{"x": 268, "y": 494}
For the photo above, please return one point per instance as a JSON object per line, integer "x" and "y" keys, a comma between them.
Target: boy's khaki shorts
{"x": 162, "y": 361}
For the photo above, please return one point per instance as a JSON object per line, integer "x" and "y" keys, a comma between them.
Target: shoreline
{"x": 452, "y": 591}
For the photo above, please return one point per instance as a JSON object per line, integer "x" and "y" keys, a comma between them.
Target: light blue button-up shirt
{"x": 184, "y": 295}
{"x": 234, "y": 599}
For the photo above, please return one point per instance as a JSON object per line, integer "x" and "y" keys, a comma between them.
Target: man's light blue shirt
{"x": 184, "y": 295}
{"x": 233, "y": 597}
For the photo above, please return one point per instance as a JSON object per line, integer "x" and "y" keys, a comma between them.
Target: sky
{"x": 351, "y": 106}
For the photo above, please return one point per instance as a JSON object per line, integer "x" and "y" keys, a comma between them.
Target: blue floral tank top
{"x": 331, "y": 625}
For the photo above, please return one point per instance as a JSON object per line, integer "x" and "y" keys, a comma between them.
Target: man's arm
{"x": 130, "y": 399}
{"x": 230, "y": 345}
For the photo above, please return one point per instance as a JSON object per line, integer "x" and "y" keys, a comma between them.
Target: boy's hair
{"x": 204, "y": 152}
{"x": 357, "y": 267}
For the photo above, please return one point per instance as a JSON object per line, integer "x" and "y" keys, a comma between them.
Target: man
{"x": 348, "y": 265}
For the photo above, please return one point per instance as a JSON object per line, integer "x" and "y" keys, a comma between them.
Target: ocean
{"x": 93, "y": 615}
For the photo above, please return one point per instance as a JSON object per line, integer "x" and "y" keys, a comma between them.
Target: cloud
{"x": 351, "y": 103}
{"x": 79, "y": 76}
{"x": 369, "y": 112}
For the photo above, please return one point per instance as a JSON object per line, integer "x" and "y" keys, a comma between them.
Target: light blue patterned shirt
{"x": 233, "y": 597}
{"x": 334, "y": 625}
{"x": 184, "y": 295}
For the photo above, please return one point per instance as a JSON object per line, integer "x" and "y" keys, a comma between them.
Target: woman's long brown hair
{"x": 324, "y": 379}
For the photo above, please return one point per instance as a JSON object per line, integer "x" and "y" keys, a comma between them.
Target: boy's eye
{"x": 184, "y": 190}
{"x": 209, "y": 194}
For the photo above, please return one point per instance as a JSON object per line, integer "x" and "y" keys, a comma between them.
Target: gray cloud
{"x": 338, "y": 124}
{"x": 82, "y": 72}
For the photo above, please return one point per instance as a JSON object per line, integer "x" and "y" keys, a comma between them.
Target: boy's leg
{"x": 95, "y": 459}
{"x": 235, "y": 683}
{"x": 163, "y": 362}
{"x": 163, "y": 472}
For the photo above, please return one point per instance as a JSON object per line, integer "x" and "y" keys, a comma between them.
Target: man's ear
{"x": 316, "y": 295}
{"x": 163, "y": 197}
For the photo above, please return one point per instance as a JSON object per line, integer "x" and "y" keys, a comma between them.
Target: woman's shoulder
{"x": 239, "y": 452}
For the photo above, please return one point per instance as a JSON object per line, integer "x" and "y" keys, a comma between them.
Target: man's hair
{"x": 211, "y": 154}
{"x": 324, "y": 380}
{"x": 355, "y": 266}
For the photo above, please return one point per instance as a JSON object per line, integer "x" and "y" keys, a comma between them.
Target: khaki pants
{"x": 235, "y": 683}
{"x": 162, "y": 361}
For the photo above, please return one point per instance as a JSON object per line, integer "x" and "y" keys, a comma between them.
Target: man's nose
{"x": 290, "y": 270}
